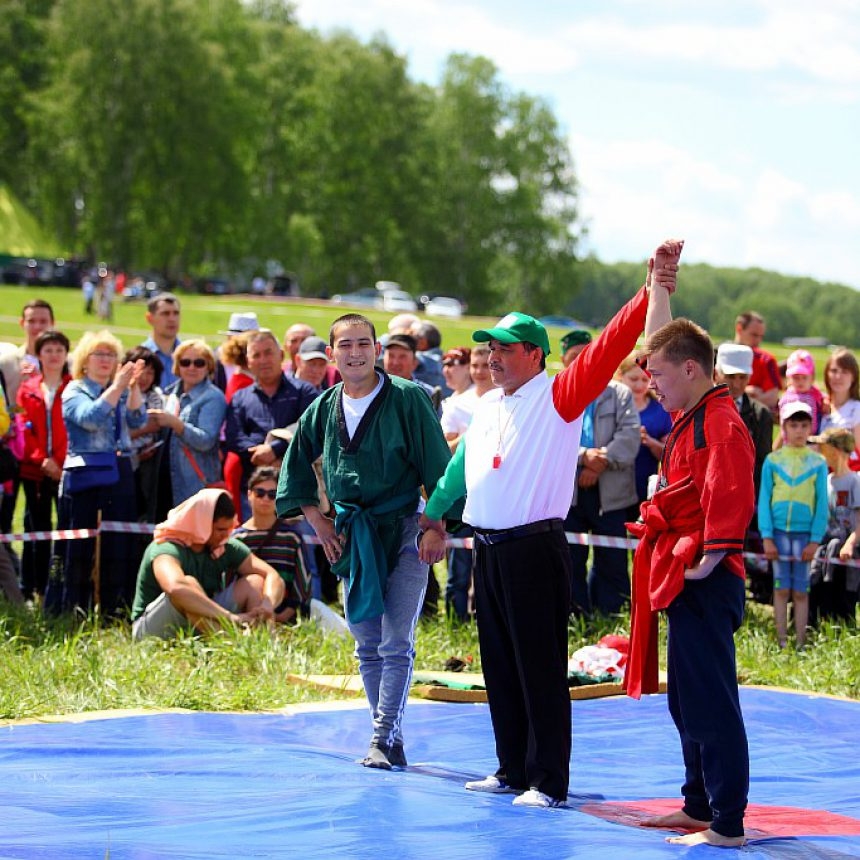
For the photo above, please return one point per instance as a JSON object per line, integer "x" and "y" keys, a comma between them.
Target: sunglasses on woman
{"x": 197, "y": 362}
{"x": 265, "y": 494}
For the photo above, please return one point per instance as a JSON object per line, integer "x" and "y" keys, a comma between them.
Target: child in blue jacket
{"x": 792, "y": 516}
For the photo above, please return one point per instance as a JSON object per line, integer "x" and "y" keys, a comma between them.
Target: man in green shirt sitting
{"x": 182, "y": 582}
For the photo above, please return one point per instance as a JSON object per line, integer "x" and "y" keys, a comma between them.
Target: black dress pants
{"x": 522, "y": 594}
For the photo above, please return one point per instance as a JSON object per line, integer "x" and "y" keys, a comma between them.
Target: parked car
{"x": 384, "y": 286}
{"x": 141, "y": 288}
{"x": 560, "y": 321}
{"x": 282, "y": 285}
{"x": 217, "y": 286}
{"x": 39, "y": 272}
{"x": 397, "y": 301}
{"x": 444, "y": 306}
{"x": 364, "y": 298}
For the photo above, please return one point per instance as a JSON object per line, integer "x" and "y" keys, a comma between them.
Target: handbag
{"x": 90, "y": 470}
{"x": 12, "y": 447}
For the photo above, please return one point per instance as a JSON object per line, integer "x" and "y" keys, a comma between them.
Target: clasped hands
{"x": 663, "y": 266}
{"x": 431, "y": 547}
{"x": 594, "y": 463}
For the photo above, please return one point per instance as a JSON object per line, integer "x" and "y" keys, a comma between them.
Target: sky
{"x": 734, "y": 124}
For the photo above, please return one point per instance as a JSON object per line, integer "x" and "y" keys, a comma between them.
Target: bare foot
{"x": 708, "y": 837}
{"x": 676, "y": 821}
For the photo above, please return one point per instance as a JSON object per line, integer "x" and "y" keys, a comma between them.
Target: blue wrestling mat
{"x": 203, "y": 785}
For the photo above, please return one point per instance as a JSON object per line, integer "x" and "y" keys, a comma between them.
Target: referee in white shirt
{"x": 516, "y": 464}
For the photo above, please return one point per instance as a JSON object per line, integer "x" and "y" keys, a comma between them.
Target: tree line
{"x": 793, "y": 306}
{"x": 183, "y": 135}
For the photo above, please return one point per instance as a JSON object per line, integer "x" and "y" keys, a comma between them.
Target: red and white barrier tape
{"x": 75, "y": 534}
{"x": 580, "y": 538}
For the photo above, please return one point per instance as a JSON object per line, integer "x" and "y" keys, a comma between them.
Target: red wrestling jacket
{"x": 704, "y": 505}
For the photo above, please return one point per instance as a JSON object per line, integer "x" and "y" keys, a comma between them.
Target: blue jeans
{"x": 459, "y": 579}
{"x": 385, "y": 645}
{"x": 793, "y": 575}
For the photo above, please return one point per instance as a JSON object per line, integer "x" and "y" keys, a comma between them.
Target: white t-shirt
{"x": 355, "y": 407}
{"x": 457, "y": 411}
{"x": 846, "y": 416}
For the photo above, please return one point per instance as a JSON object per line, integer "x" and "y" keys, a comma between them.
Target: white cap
{"x": 794, "y": 408}
{"x": 242, "y": 322}
{"x": 734, "y": 358}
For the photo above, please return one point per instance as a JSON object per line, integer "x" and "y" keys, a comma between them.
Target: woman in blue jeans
{"x": 100, "y": 405}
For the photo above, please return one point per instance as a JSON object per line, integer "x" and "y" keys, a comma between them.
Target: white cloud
{"x": 448, "y": 27}
{"x": 741, "y": 195}
{"x": 770, "y": 196}
{"x": 821, "y": 42}
{"x": 636, "y": 193}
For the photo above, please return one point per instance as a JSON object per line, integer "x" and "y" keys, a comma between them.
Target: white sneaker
{"x": 533, "y": 797}
{"x": 491, "y": 785}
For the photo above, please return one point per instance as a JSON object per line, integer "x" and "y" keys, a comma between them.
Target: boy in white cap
{"x": 792, "y": 516}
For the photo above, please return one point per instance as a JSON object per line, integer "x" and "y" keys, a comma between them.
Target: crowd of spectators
{"x": 101, "y": 433}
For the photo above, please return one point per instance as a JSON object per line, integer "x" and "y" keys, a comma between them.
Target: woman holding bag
{"x": 44, "y": 435}
{"x": 193, "y": 413}
{"x": 100, "y": 405}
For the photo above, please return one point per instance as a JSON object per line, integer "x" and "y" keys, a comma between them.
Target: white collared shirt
{"x": 538, "y": 452}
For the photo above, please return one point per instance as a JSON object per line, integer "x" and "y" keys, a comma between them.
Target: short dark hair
{"x": 156, "y": 300}
{"x": 224, "y": 508}
{"x": 403, "y": 341}
{"x": 531, "y": 347}
{"x": 51, "y": 336}
{"x": 149, "y": 358}
{"x": 429, "y": 332}
{"x": 262, "y": 474}
{"x": 744, "y": 319}
{"x": 38, "y": 303}
{"x": 351, "y": 319}
{"x": 681, "y": 340}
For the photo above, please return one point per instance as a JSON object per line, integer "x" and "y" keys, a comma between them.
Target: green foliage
{"x": 183, "y": 135}
{"x": 713, "y": 297}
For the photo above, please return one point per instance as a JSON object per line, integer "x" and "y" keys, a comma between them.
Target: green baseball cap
{"x": 577, "y": 337}
{"x": 515, "y": 328}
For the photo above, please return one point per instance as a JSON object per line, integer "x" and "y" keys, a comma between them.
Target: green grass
{"x": 69, "y": 666}
{"x": 73, "y": 665}
{"x": 204, "y": 316}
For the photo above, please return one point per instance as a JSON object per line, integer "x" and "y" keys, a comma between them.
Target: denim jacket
{"x": 91, "y": 421}
{"x": 202, "y": 410}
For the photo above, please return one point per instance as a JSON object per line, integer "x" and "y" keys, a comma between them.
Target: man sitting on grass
{"x": 182, "y": 579}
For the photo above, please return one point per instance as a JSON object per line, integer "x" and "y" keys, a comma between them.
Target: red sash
{"x": 670, "y": 541}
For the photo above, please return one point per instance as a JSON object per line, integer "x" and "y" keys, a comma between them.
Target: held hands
{"x": 587, "y": 478}
{"x": 250, "y": 618}
{"x": 594, "y": 463}
{"x": 847, "y": 551}
{"x": 159, "y": 418}
{"x": 663, "y": 266}
{"x": 770, "y": 551}
{"x": 51, "y": 469}
{"x": 262, "y": 455}
{"x": 432, "y": 546}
